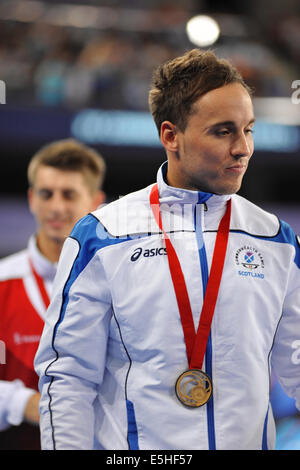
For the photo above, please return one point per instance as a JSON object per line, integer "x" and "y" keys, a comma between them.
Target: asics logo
{"x": 148, "y": 253}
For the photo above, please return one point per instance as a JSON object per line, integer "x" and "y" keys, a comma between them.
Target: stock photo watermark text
{"x": 2, "y": 352}
{"x": 296, "y": 93}
{"x": 2, "y": 92}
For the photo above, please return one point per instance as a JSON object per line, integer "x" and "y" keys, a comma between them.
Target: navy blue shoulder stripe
{"x": 90, "y": 232}
{"x": 288, "y": 236}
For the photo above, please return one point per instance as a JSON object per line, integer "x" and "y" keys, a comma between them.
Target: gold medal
{"x": 193, "y": 388}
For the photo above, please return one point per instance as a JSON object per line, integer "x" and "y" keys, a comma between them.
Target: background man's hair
{"x": 179, "y": 82}
{"x": 70, "y": 155}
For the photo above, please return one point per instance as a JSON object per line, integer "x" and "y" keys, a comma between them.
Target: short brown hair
{"x": 179, "y": 82}
{"x": 70, "y": 155}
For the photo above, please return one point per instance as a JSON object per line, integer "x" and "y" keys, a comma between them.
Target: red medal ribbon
{"x": 195, "y": 343}
{"x": 41, "y": 285}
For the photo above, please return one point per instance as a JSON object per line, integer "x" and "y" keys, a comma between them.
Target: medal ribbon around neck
{"x": 195, "y": 342}
{"x": 40, "y": 284}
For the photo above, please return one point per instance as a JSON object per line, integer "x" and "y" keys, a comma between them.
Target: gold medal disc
{"x": 193, "y": 388}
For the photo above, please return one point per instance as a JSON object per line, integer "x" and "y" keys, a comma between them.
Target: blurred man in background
{"x": 65, "y": 180}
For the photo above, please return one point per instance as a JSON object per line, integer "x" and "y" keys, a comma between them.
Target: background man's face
{"x": 58, "y": 200}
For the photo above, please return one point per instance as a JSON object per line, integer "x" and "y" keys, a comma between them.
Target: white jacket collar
{"x": 131, "y": 215}
{"x": 42, "y": 265}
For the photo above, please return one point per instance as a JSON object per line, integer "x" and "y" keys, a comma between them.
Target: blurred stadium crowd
{"x": 70, "y": 55}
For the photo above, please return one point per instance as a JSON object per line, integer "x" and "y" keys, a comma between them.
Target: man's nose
{"x": 242, "y": 147}
{"x": 57, "y": 202}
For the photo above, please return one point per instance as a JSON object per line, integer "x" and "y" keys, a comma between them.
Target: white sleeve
{"x": 71, "y": 356}
{"x": 286, "y": 351}
{"x": 13, "y": 400}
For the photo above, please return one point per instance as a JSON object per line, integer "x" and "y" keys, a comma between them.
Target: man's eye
{"x": 69, "y": 195}
{"x": 222, "y": 132}
{"x": 44, "y": 194}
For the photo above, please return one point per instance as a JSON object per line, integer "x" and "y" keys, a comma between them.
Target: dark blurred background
{"x": 83, "y": 69}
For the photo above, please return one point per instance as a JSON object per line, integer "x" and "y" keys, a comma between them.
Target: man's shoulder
{"x": 137, "y": 197}
{"x": 107, "y": 226}
{"x": 250, "y": 218}
{"x": 127, "y": 215}
{"x": 14, "y": 266}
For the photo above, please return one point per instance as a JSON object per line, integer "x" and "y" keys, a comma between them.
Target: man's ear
{"x": 169, "y": 136}
{"x": 98, "y": 199}
{"x": 30, "y": 199}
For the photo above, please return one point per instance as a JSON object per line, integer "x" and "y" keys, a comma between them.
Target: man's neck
{"x": 177, "y": 181}
{"x": 49, "y": 248}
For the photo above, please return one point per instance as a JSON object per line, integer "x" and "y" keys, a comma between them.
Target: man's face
{"x": 58, "y": 200}
{"x": 213, "y": 152}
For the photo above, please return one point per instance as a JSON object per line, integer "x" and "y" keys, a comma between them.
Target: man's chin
{"x": 228, "y": 189}
{"x": 57, "y": 237}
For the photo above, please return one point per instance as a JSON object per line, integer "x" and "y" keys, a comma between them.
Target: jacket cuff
{"x": 17, "y": 404}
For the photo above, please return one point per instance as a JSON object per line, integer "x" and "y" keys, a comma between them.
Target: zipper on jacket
{"x": 204, "y": 272}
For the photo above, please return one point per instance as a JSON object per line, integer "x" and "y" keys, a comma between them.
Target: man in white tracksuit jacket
{"x": 115, "y": 345}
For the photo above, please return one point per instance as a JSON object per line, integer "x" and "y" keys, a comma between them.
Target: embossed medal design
{"x": 193, "y": 388}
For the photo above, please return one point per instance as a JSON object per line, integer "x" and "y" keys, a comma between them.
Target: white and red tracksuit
{"x": 22, "y": 320}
